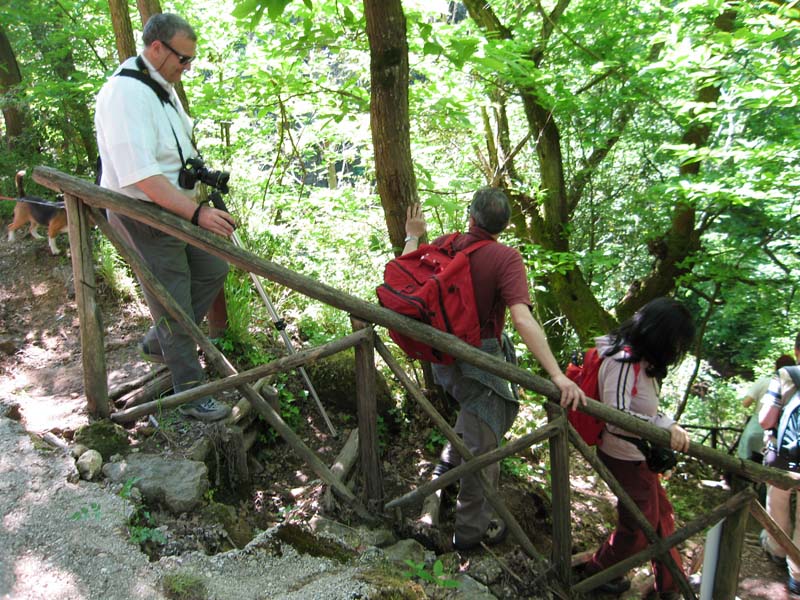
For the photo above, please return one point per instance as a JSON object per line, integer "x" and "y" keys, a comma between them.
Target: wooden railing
{"x": 83, "y": 201}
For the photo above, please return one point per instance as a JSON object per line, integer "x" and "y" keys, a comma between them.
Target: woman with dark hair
{"x": 636, "y": 357}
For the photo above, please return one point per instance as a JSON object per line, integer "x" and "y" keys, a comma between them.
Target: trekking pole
{"x": 278, "y": 322}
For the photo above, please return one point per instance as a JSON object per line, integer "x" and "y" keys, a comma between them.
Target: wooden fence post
{"x": 93, "y": 356}
{"x": 560, "y": 491}
{"x": 726, "y": 579}
{"x": 368, "y": 418}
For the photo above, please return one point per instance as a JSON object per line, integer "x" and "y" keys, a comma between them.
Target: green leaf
{"x": 432, "y": 48}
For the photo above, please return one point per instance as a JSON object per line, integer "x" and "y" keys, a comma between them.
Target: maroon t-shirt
{"x": 498, "y": 276}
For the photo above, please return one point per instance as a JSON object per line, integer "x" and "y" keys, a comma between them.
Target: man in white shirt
{"x": 145, "y": 137}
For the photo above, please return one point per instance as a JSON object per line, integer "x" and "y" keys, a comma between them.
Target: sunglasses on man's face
{"x": 182, "y": 58}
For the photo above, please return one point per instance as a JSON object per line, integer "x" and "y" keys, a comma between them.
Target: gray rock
{"x": 486, "y": 570}
{"x": 89, "y": 464}
{"x": 176, "y": 484}
{"x": 77, "y": 450}
{"x": 406, "y": 550}
{"x": 471, "y": 589}
{"x": 352, "y": 537}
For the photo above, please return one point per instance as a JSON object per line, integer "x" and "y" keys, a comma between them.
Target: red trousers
{"x": 645, "y": 489}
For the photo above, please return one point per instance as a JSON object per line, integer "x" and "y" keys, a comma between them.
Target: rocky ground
{"x": 63, "y": 537}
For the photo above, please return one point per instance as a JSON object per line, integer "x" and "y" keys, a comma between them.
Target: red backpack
{"x": 433, "y": 284}
{"x": 585, "y": 376}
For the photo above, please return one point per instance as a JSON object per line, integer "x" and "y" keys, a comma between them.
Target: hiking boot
{"x": 495, "y": 533}
{"x": 150, "y": 353}
{"x": 441, "y": 468}
{"x": 616, "y": 586}
{"x": 207, "y": 410}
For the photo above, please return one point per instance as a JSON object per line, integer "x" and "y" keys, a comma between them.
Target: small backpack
{"x": 433, "y": 284}
{"x": 585, "y": 375}
{"x": 788, "y": 431}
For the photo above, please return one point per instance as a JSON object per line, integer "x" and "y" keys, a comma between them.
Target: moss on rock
{"x": 334, "y": 379}
{"x": 106, "y": 437}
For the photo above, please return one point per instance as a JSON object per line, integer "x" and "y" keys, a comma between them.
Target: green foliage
{"x": 516, "y": 467}
{"x": 91, "y": 511}
{"x": 141, "y": 525}
{"x": 435, "y": 442}
{"x": 436, "y": 575}
{"x": 112, "y": 272}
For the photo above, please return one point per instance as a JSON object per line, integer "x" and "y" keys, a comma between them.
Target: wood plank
{"x": 493, "y": 498}
{"x": 369, "y": 452}
{"x": 93, "y": 356}
{"x": 223, "y": 366}
{"x": 561, "y": 553}
{"x": 624, "y": 498}
{"x": 729, "y": 560}
{"x": 767, "y": 522}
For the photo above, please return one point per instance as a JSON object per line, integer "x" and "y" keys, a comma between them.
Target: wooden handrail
{"x": 367, "y": 311}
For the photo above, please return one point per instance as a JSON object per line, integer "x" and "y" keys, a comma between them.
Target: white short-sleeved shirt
{"x": 135, "y": 133}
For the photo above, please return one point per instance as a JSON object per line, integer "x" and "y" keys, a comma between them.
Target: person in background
{"x": 780, "y": 392}
{"x": 751, "y": 444}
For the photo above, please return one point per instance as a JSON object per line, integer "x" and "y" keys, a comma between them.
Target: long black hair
{"x": 660, "y": 333}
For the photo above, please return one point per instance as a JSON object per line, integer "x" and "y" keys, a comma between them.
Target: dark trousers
{"x": 192, "y": 276}
{"x": 643, "y": 486}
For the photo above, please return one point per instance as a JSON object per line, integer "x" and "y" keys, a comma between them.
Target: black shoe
{"x": 616, "y": 586}
{"x": 441, "y": 468}
{"x": 150, "y": 354}
{"x": 495, "y": 533}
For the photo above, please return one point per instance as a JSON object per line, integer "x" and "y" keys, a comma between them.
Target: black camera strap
{"x": 143, "y": 75}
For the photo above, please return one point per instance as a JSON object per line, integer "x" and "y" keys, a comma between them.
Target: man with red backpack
{"x": 488, "y": 405}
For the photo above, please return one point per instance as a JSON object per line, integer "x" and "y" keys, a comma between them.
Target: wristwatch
{"x": 411, "y": 237}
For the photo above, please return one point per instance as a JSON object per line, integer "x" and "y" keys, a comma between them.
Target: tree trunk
{"x": 397, "y": 185}
{"x": 548, "y": 218}
{"x": 148, "y": 8}
{"x": 9, "y": 77}
{"x": 123, "y": 30}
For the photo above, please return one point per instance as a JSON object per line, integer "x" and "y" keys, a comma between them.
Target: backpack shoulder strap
{"x": 476, "y": 245}
{"x": 791, "y": 406}
{"x": 794, "y": 373}
{"x": 446, "y": 245}
{"x": 144, "y": 77}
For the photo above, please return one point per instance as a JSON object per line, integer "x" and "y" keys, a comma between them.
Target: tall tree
{"x": 9, "y": 78}
{"x": 123, "y": 30}
{"x": 389, "y": 118}
{"x": 148, "y": 8}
